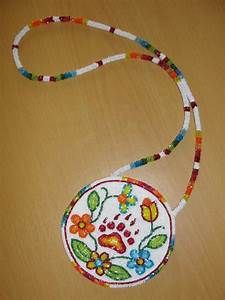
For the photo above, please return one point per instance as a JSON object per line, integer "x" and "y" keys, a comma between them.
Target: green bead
{"x": 58, "y": 77}
{"x": 150, "y": 158}
{"x": 34, "y": 77}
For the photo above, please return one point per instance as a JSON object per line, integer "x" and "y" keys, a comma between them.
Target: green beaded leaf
{"x": 81, "y": 250}
{"x": 93, "y": 200}
{"x": 117, "y": 273}
{"x": 157, "y": 241}
{"x": 127, "y": 188}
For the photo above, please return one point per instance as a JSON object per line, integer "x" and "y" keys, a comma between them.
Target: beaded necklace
{"x": 119, "y": 231}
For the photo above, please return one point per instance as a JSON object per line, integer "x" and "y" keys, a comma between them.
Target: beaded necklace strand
{"x": 159, "y": 59}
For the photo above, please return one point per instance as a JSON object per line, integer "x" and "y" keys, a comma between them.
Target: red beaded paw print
{"x": 118, "y": 233}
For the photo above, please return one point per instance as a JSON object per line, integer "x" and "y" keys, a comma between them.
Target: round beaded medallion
{"x": 118, "y": 231}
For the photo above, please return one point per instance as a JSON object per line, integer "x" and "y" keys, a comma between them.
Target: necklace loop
{"x": 158, "y": 58}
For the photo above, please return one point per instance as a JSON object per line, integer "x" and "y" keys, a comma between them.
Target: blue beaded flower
{"x": 140, "y": 260}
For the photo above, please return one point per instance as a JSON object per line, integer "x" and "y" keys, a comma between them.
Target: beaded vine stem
{"x": 158, "y": 58}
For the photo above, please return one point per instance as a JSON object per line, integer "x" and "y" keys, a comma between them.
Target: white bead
{"x": 187, "y": 117}
{"x": 162, "y": 154}
{"x": 87, "y": 69}
{"x": 162, "y": 56}
{"x": 21, "y": 34}
{"x": 155, "y": 60}
{"x": 118, "y": 57}
{"x": 16, "y": 58}
{"x": 106, "y": 60}
{"x": 121, "y": 170}
{"x": 56, "y": 19}
{"x": 46, "y": 78}
{"x": 125, "y": 34}
{"x": 179, "y": 207}
{"x": 98, "y": 25}
{"x": 196, "y": 165}
{"x": 187, "y": 89}
{"x": 197, "y": 118}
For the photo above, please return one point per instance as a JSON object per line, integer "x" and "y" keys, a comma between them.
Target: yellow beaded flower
{"x": 99, "y": 262}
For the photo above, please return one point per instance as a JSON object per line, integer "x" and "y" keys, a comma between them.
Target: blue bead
{"x": 143, "y": 43}
{"x": 98, "y": 263}
{"x": 25, "y": 73}
{"x": 138, "y": 163}
{"x": 179, "y": 137}
{"x": 178, "y": 72}
{"x": 135, "y": 164}
{"x": 73, "y": 73}
{"x": 67, "y": 75}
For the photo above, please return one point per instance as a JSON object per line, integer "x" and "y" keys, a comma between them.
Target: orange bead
{"x": 134, "y": 55}
{"x": 173, "y": 74}
{"x": 35, "y": 23}
{"x": 78, "y": 20}
{"x": 189, "y": 190}
{"x": 198, "y": 140}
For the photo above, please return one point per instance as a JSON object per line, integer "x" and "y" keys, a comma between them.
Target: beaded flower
{"x": 126, "y": 198}
{"x": 81, "y": 225}
{"x": 99, "y": 262}
{"x": 140, "y": 260}
{"x": 149, "y": 210}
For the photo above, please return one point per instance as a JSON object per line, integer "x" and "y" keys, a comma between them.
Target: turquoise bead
{"x": 25, "y": 73}
{"x": 143, "y": 43}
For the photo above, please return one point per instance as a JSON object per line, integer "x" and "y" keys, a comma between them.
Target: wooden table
{"x": 55, "y": 138}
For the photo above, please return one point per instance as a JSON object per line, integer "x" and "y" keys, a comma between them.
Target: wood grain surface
{"x": 55, "y": 138}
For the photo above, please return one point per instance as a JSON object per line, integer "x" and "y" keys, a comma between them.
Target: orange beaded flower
{"x": 81, "y": 225}
{"x": 98, "y": 262}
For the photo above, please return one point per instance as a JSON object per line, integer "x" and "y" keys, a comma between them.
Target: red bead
{"x": 187, "y": 108}
{"x": 130, "y": 241}
{"x": 111, "y": 225}
{"x": 120, "y": 226}
{"x": 194, "y": 174}
{"x": 157, "y": 52}
{"x": 161, "y": 63}
{"x": 146, "y": 57}
{"x": 193, "y": 104}
{"x": 167, "y": 151}
{"x": 47, "y": 20}
{"x": 100, "y": 63}
{"x": 156, "y": 156}
{"x": 165, "y": 67}
{"x": 15, "y": 46}
{"x": 64, "y": 18}
{"x": 40, "y": 77}
{"x": 112, "y": 29}
{"x": 195, "y": 171}
{"x": 102, "y": 228}
{"x": 127, "y": 233}
{"x": 165, "y": 60}
{"x": 197, "y": 155}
